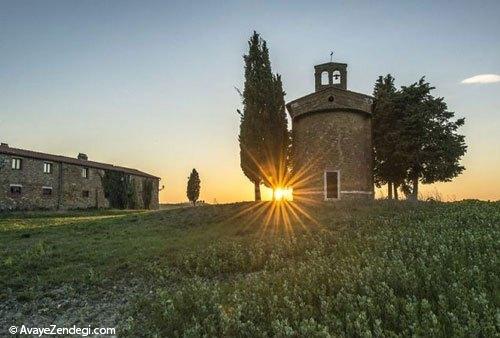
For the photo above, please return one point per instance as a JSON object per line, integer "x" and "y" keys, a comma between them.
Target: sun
{"x": 283, "y": 194}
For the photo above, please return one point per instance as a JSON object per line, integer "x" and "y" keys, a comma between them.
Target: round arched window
{"x": 336, "y": 77}
{"x": 324, "y": 78}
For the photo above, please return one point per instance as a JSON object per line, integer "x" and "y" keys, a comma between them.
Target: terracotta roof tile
{"x": 64, "y": 159}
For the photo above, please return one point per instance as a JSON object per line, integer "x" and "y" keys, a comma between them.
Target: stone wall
{"x": 69, "y": 188}
{"x": 155, "y": 201}
{"x": 74, "y": 187}
{"x": 32, "y": 179}
{"x": 333, "y": 140}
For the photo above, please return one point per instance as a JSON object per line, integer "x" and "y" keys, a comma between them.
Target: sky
{"x": 151, "y": 84}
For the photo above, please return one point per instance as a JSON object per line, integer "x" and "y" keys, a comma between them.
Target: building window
{"x": 332, "y": 185}
{"x": 85, "y": 193}
{"x": 336, "y": 77}
{"x": 16, "y": 163}
{"x": 85, "y": 172}
{"x": 324, "y": 78}
{"x": 16, "y": 189}
{"x": 47, "y": 191}
{"x": 47, "y": 167}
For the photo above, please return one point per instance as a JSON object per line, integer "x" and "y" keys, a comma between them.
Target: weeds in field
{"x": 382, "y": 269}
{"x": 433, "y": 271}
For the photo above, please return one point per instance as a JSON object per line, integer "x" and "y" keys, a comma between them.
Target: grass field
{"x": 380, "y": 269}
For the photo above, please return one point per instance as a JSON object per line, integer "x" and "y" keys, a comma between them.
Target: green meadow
{"x": 368, "y": 270}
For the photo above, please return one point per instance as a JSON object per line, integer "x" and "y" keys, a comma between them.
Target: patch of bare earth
{"x": 70, "y": 305}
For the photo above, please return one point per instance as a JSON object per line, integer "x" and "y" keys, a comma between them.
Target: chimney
{"x": 4, "y": 144}
{"x": 82, "y": 156}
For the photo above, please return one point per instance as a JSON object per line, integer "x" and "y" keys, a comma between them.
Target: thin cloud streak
{"x": 482, "y": 78}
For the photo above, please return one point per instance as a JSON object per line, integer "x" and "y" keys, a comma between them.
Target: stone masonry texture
{"x": 69, "y": 189}
{"x": 331, "y": 130}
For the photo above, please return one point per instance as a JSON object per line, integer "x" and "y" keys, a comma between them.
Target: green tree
{"x": 386, "y": 122}
{"x": 131, "y": 193}
{"x": 429, "y": 137}
{"x": 147, "y": 193}
{"x": 415, "y": 137}
{"x": 118, "y": 189}
{"x": 193, "y": 187}
{"x": 264, "y": 137}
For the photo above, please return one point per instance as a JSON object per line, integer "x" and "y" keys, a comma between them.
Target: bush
{"x": 119, "y": 189}
{"x": 147, "y": 193}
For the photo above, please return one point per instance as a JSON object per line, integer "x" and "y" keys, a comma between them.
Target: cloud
{"x": 482, "y": 78}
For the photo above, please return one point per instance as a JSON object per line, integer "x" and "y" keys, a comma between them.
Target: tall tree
{"x": 264, "y": 138}
{"x": 430, "y": 137}
{"x": 415, "y": 137}
{"x": 193, "y": 187}
{"x": 388, "y": 167}
{"x": 276, "y": 138}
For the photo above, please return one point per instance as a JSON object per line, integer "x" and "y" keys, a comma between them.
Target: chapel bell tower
{"x": 330, "y": 74}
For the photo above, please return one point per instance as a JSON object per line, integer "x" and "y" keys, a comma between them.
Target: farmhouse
{"x": 33, "y": 180}
{"x": 332, "y": 139}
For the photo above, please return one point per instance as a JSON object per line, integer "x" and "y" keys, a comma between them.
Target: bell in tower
{"x": 330, "y": 74}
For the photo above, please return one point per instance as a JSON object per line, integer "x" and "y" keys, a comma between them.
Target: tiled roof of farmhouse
{"x": 5, "y": 149}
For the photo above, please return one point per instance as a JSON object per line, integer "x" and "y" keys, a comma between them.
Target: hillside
{"x": 380, "y": 269}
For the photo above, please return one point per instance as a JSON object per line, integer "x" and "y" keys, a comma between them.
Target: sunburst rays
{"x": 292, "y": 195}
{"x": 271, "y": 217}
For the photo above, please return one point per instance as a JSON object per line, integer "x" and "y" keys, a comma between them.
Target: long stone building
{"x": 32, "y": 180}
{"x": 332, "y": 139}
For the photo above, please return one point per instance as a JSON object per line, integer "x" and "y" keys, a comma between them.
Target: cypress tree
{"x": 264, "y": 138}
{"x": 193, "y": 187}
